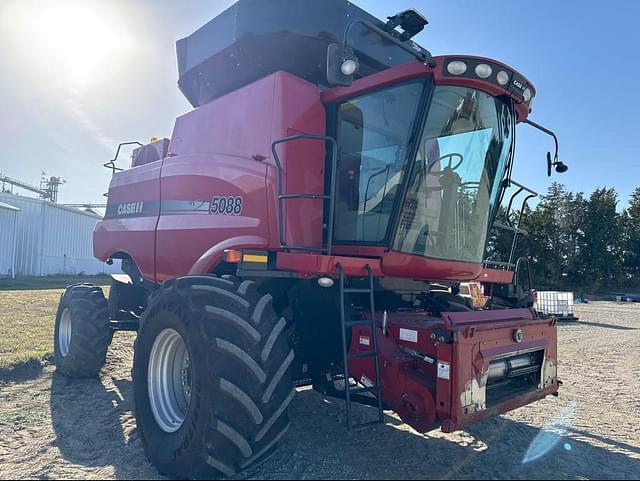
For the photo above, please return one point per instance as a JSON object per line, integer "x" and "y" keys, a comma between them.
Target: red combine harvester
{"x": 310, "y": 223}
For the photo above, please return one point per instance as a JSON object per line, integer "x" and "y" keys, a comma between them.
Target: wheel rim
{"x": 169, "y": 380}
{"x": 64, "y": 332}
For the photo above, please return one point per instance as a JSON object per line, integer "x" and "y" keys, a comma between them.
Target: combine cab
{"x": 310, "y": 222}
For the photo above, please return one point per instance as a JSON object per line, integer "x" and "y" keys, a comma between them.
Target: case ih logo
{"x": 518, "y": 84}
{"x": 131, "y": 208}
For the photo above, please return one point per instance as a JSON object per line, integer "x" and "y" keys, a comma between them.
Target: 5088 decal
{"x": 226, "y": 205}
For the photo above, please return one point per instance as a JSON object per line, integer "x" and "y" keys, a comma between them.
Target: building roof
{"x": 8, "y": 207}
{"x": 18, "y": 199}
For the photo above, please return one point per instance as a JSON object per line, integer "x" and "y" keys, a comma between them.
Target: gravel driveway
{"x": 51, "y": 427}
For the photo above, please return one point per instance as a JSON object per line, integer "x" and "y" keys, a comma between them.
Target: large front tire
{"x": 212, "y": 377}
{"x": 82, "y": 333}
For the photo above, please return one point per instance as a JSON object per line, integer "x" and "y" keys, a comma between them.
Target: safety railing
{"x": 282, "y": 196}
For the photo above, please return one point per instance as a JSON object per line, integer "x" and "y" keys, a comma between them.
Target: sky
{"x": 78, "y": 77}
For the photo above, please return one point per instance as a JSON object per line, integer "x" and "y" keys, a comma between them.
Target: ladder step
{"x": 347, "y": 323}
{"x": 357, "y": 291}
{"x": 361, "y": 390}
{"x": 363, "y": 355}
{"x": 359, "y": 322}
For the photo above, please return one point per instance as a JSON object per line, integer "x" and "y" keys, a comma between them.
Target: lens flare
{"x": 551, "y": 435}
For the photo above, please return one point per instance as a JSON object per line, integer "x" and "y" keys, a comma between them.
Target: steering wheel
{"x": 450, "y": 166}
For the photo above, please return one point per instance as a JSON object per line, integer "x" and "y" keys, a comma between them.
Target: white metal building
{"x": 53, "y": 239}
{"x": 8, "y": 232}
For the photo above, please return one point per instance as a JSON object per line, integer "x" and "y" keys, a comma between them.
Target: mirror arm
{"x": 546, "y": 131}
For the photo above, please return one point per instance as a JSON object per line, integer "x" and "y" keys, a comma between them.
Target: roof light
{"x": 457, "y": 67}
{"x": 349, "y": 67}
{"x": 526, "y": 95}
{"x": 483, "y": 70}
{"x": 502, "y": 77}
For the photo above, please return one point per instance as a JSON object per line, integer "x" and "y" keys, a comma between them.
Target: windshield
{"x": 457, "y": 174}
{"x": 373, "y": 132}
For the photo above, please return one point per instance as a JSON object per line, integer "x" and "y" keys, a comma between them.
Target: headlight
{"x": 457, "y": 67}
{"x": 483, "y": 70}
{"x": 526, "y": 95}
{"x": 502, "y": 77}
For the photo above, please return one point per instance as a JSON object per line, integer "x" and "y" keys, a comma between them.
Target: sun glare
{"x": 75, "y": 37}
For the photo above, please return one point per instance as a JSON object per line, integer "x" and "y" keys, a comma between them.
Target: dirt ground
{"x": 51, "y": 427}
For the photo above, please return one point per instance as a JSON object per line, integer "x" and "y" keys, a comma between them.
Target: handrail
{"x": 112, "y": 163}
{"x": 510, "y": 225}
{"x": 330, "y": 197}
{"x": 502, "y": 226}
{"x": 526, "y": 261}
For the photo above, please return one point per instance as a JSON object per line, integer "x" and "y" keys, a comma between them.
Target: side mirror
{"x": 560, "y": 166}
{"x": 342, "y": 64}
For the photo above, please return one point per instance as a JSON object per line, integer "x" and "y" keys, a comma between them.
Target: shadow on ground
{"x": 605, "y": 326}
{"x": 95, "y": 428}
{"x": 24, "y": 371}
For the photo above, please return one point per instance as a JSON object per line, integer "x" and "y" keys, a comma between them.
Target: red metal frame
{"x": 422, "y": 396}
{"x": 224, "y": 149}
{"x": 414, "y": 70}
{"x": 214, "y": 151}
{"x": 495, "y": 276}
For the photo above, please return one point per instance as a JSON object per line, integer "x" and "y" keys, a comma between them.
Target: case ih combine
{"x": 310, "y": 223}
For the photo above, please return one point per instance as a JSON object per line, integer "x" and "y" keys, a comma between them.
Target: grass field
{"x": 27, "y": 318}
{"x": 26, "y": 325}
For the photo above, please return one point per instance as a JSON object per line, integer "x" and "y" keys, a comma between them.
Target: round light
{"x": 349, "y": 67}
{"x": 502, "y": 77}
{"x": 483, "y": 70}
{"x": 325, "y": 282}
{"x": 457, "y": 67}
{"x": 526, "y": 95}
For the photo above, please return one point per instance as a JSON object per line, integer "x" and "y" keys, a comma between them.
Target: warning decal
{"x": 444, "y": 370}
{"x": 409, "y": 335}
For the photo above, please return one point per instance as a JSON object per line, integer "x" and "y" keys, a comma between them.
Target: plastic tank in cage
{"x": 556, "y": 303}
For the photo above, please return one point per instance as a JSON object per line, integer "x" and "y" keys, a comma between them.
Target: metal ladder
{"x": 347, "y": 323}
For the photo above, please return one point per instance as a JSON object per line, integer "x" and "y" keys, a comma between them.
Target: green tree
{"x": 552, "y": 234}
{"x": 600, "y": 256}
{"x": 577, "y": 243}
{"x": 501, "y": 240}
{"x": 631, "y": 226}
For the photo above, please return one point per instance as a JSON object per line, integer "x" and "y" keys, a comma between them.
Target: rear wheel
{"x": 212, "y": 377}
{"x": 82, "y": 333}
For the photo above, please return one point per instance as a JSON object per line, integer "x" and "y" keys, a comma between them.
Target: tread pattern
{"x": 249, "y": 363}
{"x": 90, "y": 331}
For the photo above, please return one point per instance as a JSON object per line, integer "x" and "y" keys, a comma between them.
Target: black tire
{"x": 85, "y": 353}
{"x": 241, "y": 377}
